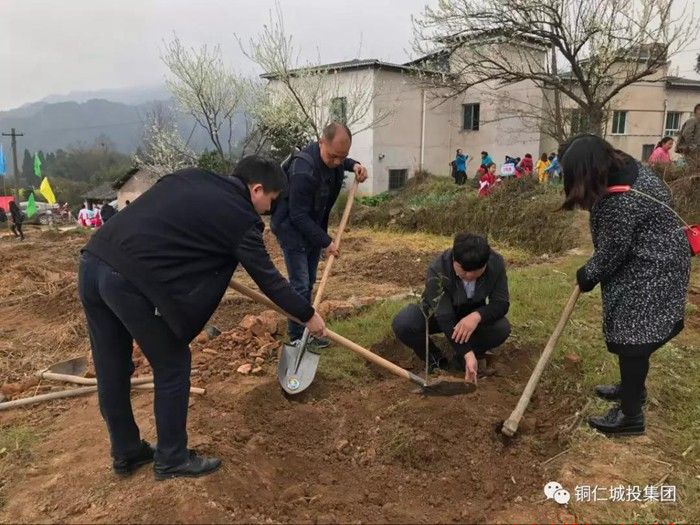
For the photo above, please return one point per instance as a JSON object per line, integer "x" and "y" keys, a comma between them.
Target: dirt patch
{"x": 392, "y": 349}
{"x": 371, "y": 452}
{"x": 400, "y": 266}
{"x": 376, "y": 453}
{"x": 39, "y": 305}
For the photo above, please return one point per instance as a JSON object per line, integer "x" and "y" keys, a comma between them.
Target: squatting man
{"x": 465, "y": 298}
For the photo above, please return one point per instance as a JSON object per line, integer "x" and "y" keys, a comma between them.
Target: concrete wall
{"x": 646, "y": 106}
{"x": 423, "y": 130}
{"x": 134, "y": 187}
{"x": 397, "y": 139}
{"x": 398, "y": 143}
{"x": 358, "y": 87}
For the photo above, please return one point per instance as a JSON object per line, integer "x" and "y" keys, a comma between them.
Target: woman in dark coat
{"x": 17, "y": 219}
{"x": 641, "y": 260}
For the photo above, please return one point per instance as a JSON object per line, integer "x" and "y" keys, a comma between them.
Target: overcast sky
{"x": 54, "y": 47}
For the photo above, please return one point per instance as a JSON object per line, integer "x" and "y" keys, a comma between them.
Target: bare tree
{"x": 206, "y": 89}
{"x": 604, "y": 46}
{"x": 163, "y": 150}
{"x": 307, "y": 95}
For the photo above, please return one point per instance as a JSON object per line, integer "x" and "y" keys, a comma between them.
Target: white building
{"x": 422, "y": 132}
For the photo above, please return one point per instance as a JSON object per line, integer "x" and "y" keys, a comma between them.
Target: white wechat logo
{"x": 555, "y": 491}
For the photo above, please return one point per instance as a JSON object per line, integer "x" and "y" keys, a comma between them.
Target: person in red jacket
{"x": 488, "y": 180}
{"x": 525, "y": 167}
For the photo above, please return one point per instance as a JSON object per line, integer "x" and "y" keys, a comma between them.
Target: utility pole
{"x": 14, "y": 136}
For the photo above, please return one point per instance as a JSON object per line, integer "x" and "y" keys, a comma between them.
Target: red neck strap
{"x": 619, "y": 188}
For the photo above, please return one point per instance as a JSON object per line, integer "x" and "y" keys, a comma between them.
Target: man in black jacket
{"x": 107, "y": 211}
{"x": 155, "y": 273}
{"x": 466, "y": 297}
{"x": 300, "y": 220}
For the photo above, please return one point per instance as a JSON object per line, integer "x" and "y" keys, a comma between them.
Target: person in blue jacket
{"x": 485, "y": 159}
{"x": 554, "y": 168}
{"x": 300, "y": 219}
{"x": 460, "y": 167}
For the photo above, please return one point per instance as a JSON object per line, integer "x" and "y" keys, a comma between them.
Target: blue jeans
{"x": 301, "y": 268}
{"x": 117, "y": 313}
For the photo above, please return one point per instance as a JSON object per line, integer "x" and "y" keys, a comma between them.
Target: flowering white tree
{"x": 303, "y": 95}
{"x": 163, "y": 150}
{"x": 207, "y": 89}
{"x": 603, "y": 46}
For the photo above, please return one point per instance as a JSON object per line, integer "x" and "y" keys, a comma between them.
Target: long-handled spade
{"x": 510, "y": 426}
{"x": 297, "y": 365}
{"x": 336, "y": 338}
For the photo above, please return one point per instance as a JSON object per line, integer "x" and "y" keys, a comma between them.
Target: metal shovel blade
{"x": 72, "y": 367}
{"x": 291, "y": 381}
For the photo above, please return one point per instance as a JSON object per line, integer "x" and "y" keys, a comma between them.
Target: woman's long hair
{"x": 664, "y": 141}
{"x": 586, "y": 162}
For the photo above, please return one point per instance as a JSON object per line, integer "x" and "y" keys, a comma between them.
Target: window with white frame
{"x": 619, "y": 123}
{"x": 673, "y": 123}
{"x": 471, "y": 117}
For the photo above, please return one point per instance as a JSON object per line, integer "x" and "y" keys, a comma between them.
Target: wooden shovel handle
{"x": 510, "y": 426}
{"x": 331, "y": 259}
{"x": 337, "y": 338}
{"x": 74, "y": 392}
{"x": 78, "y": 380}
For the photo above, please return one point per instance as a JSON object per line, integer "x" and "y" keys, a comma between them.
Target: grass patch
{"x": 431, "y": 242}
{"x": 371, "y": 326}
{"x": 372, "y": 200}
{"x": 538, "y": 295}
{"x": 16, "y": 441}
{"x": 521, "y": 213}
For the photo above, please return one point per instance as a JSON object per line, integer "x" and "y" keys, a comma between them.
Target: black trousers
{"x": 117, "y": 313}
{"x": 633, "y": 374}
{"x": 634, "y": 367}
{"x": 461, "y": 177}
{"x": 409, "y": 327}
{"x": 16, "y": 228}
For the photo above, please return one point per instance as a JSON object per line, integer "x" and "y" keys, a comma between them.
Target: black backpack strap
{"x": 287, "y": 166}
{"x": 305, "y": 156}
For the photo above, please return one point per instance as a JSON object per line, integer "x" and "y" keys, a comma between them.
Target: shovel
{"x": 336, "y": 338}
{"x": 297, "y": 365}
{"x": 73, "y": 371}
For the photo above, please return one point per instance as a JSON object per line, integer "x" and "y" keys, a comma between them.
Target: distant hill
{"x": 64, "y": 121}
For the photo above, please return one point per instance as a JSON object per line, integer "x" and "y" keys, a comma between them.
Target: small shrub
{"x": 374, "y": 200}
{"x": 519, "y": 213}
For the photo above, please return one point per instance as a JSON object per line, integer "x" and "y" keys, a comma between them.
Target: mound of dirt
{"x": 521, "y": 213}
{"x": 402, "y": 267}
{"x": 372, "y": 454}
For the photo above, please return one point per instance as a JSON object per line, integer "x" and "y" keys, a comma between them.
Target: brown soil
{"x": 372, "y": 453}
{"x": 339, "y": 453}
{"x": 43, "y": 322}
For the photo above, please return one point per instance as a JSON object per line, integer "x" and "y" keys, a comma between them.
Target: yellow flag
{"x": 46, "y": 191}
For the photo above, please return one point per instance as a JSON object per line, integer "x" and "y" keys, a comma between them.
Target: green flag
{"x": 37, "y": 165}
{"x": 31, "y": 206}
